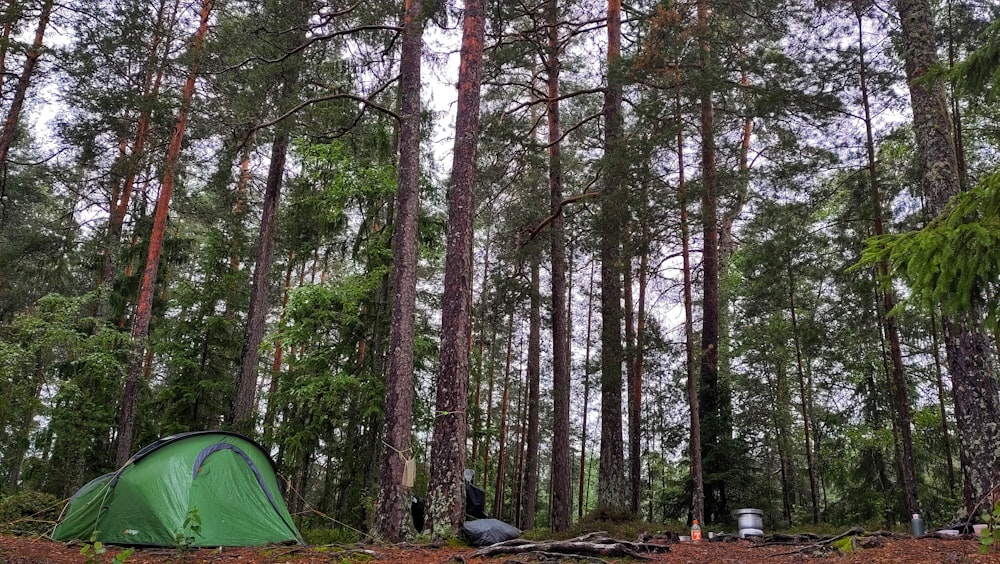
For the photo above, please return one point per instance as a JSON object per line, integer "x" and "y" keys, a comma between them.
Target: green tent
{"x": 227, "y": 480}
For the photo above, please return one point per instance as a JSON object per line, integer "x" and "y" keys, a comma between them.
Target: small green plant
{"x": 95, "y": 549}
{"x": 185, "y": 537}
{"x": 989, "y": 537}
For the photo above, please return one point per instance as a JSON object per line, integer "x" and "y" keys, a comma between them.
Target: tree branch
{"x": 546, "y": 100}
{"x": 368, "y": 103}
{"x": 533, "y": 232}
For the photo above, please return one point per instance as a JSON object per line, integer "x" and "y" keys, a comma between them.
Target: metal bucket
{"x": 750, "y": 522}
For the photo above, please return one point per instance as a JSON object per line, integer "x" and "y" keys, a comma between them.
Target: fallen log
{"x": 593, "y": 544}
{"x": 820, "y": 544}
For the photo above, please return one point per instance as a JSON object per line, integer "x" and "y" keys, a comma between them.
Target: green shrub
{"x": 320, "y": 536}
{"x": 29, "y": 513}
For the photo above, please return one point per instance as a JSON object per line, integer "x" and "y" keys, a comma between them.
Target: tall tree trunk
{"x": 939, "y": 380}
{"x": 20, "y": 92}
{"x": 901, "y": 396}
{"x": 17, "y": 101}
{"x": 392, "y": 521}
{"x": 10, "y": 16}
{"x": 478, "y": 430}
{"x": 780, "y": 421}
{"x": 517, "y": 494}
{"x": 271, "y": 408}
{"x": 498, "y": 486}
{"x": 709, "y": 397}
{"x": 631, "y": 387}
{"x": 234, "y": 244}
{"x": 529, "y": 493}
{"x": 612, "y": 496}
{"x": 144, "y": 309}
{"x": 694, "y": 443}
{"x": 244, "y": 404}
{"x": 970, "y": 356}
{"x": 446, "y": 497}
{"x": 562, "y": 490}
{"x": 133, "y": 161}
{"x": 636, "y": 361}
{"x": 804, "y": 396}
{"x": 581, "y": 502}
{"x": 491, "y": 373}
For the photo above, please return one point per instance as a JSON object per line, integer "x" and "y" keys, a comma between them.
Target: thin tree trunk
{"x": 530, "y": 491}
{"x": 234, "y": 244}
{"x": 970, "y": 355}
{"x": 779, "y": 388}
{"x": 391, "y": 515}
{"x": 637, "y": 360}
{"x": 140, "y": 325}
{"x": 694, "y": 443}
{"x": 945, "y": 435}
{"x": 477, "y": 419}
{"x": 635, "y": 470}
{"x": 271, "y": 411}
{"x": 244, "y": 403}
{"x": 10, "y": 17}
{"x": 517, "y": 497}
{"x": 612, "y": 489}
{"x": 562, "y": 490}
{"x": 581, "y": 502}
{"x": 804, "y": 396}
{"x": 901, "y": 396}
{"x": 956, "y": 112}
{"x": 21, "y": 88}
{"x": 446, "y": 496}
{"x": 133, "y": 161}
{"x": 491, "y": 373}
{"x": 498, "y": 487}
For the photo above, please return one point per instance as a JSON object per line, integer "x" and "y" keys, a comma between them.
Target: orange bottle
{"x": 695, "y": 531}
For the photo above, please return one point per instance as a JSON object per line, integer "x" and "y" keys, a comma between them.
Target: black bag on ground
{"x": 483, "y": 532}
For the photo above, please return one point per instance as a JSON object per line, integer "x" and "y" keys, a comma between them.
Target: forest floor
{"x": 872, "y": 549}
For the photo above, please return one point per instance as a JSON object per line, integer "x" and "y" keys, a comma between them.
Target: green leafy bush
{"x": 28, "y": 513}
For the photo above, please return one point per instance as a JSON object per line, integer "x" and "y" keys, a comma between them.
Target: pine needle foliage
{"x": 954, "y": 261}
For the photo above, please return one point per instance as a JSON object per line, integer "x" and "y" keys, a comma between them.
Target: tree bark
{"x": 143, "y": 315}
{"x": 970, "y": 356}
{"x": 392, "y": 521}
{"x": 710, "y": 397}
{"x": 612, "y": 496}
{"x": 562, "y": 491}
{"x": 446, "y": 498}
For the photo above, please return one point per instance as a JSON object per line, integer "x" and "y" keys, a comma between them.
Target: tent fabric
{"x": 228, "y": 480}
